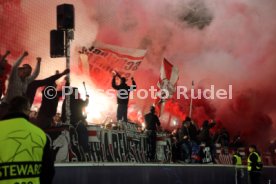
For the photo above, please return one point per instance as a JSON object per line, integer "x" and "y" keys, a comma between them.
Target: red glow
{"x": 237, "y": 47}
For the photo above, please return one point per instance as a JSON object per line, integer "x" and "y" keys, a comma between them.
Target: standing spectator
{"x": 188, "y": 139}
{"x": 175, "y": 146}
{"x": 207, "y": 146}
{"x": 76, "y": 107}
{"x": 204, "y": 134}
{"x": 34, "y": 85}
{"x": 192, "y": 131}
{"x": 49, "y": 106}
{"x": 254, "y": 165}
{"x": 77, "y": 119}
{"x": 152, "y": 122}
{"x": 122, "y": 95}
{"x": 222, "y": 137}
{"x": 20, "y": 78}
{"x": 26, "y": 150}
{"x": 5, "y": 69}
{"x": 237, "y": 162}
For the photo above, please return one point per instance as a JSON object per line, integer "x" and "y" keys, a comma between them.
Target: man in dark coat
{"x": 152, "y": 123}
{"x": 122, "y": 95}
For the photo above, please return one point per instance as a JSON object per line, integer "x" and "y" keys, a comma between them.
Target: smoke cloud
{"x": 211, "y": 42}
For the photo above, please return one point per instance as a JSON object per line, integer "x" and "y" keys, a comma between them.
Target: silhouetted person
{"x": 204, "y": 134}
{"x": 152, "y": 122}
{"x": 123, "y": 91}
{"x": 76, "y": 107}
{"x": 20, "y": 78}
{"x": 175, "y": 145}
{"x": 25, "y": 148}
{"x": 77, "y": 119}
{"x": 237, "y": 162}
{"x": 222, "y": 137}
{"x": 34, "y": 85}
{"x": 48, "y": 108}
{"x": 5, "y": 69}
{"x": 188, "y": 138}
{"x": 254, "y": 165}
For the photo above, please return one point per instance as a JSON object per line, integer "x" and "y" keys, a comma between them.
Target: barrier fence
{"x": 125, "y": 143}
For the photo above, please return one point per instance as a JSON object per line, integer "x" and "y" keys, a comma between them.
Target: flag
{"x": 102, "y": 59}
{"x": 169, "y": 72}
{"x": 168, "y": 79}
{"x": 167, "y": 83}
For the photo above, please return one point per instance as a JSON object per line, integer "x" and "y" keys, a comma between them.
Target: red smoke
{"x": 211, "y": 42}
{"x": 13, "y": 24}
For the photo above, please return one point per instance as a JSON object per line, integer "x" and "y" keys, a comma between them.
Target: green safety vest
{"x": 238, "y": 158}
{"x": 259, "y": 162}
{"x": 21, "y": 152}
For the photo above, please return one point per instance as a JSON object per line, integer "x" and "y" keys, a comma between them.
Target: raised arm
{"x": 133, "y": 86}
{"x": 50, "y": 80}
{"x": 37, "y": 69}
{"x": 55, "y": 77}
{"x": 4, "y": 57}
{"x": 17, "y": 63}
{"x": 86, "y": 102}
{"x": 114, "y": 85}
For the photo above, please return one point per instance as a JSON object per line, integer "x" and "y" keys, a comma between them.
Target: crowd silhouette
{"x": 190, "y": 143}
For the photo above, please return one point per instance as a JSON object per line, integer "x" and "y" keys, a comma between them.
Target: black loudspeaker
{"x": 65, "y": 17}
{"x": 57, "y": 43}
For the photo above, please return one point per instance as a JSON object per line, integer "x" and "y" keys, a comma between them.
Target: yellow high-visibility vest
{"x": 21, "y": 151}
{"x": 238, "y": 158}
{"x": 259, "y": 162}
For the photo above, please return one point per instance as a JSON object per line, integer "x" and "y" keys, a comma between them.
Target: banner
{"x": 101, "y": 59}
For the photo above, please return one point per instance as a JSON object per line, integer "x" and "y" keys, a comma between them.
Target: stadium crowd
{"x": 189, "y": 143}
